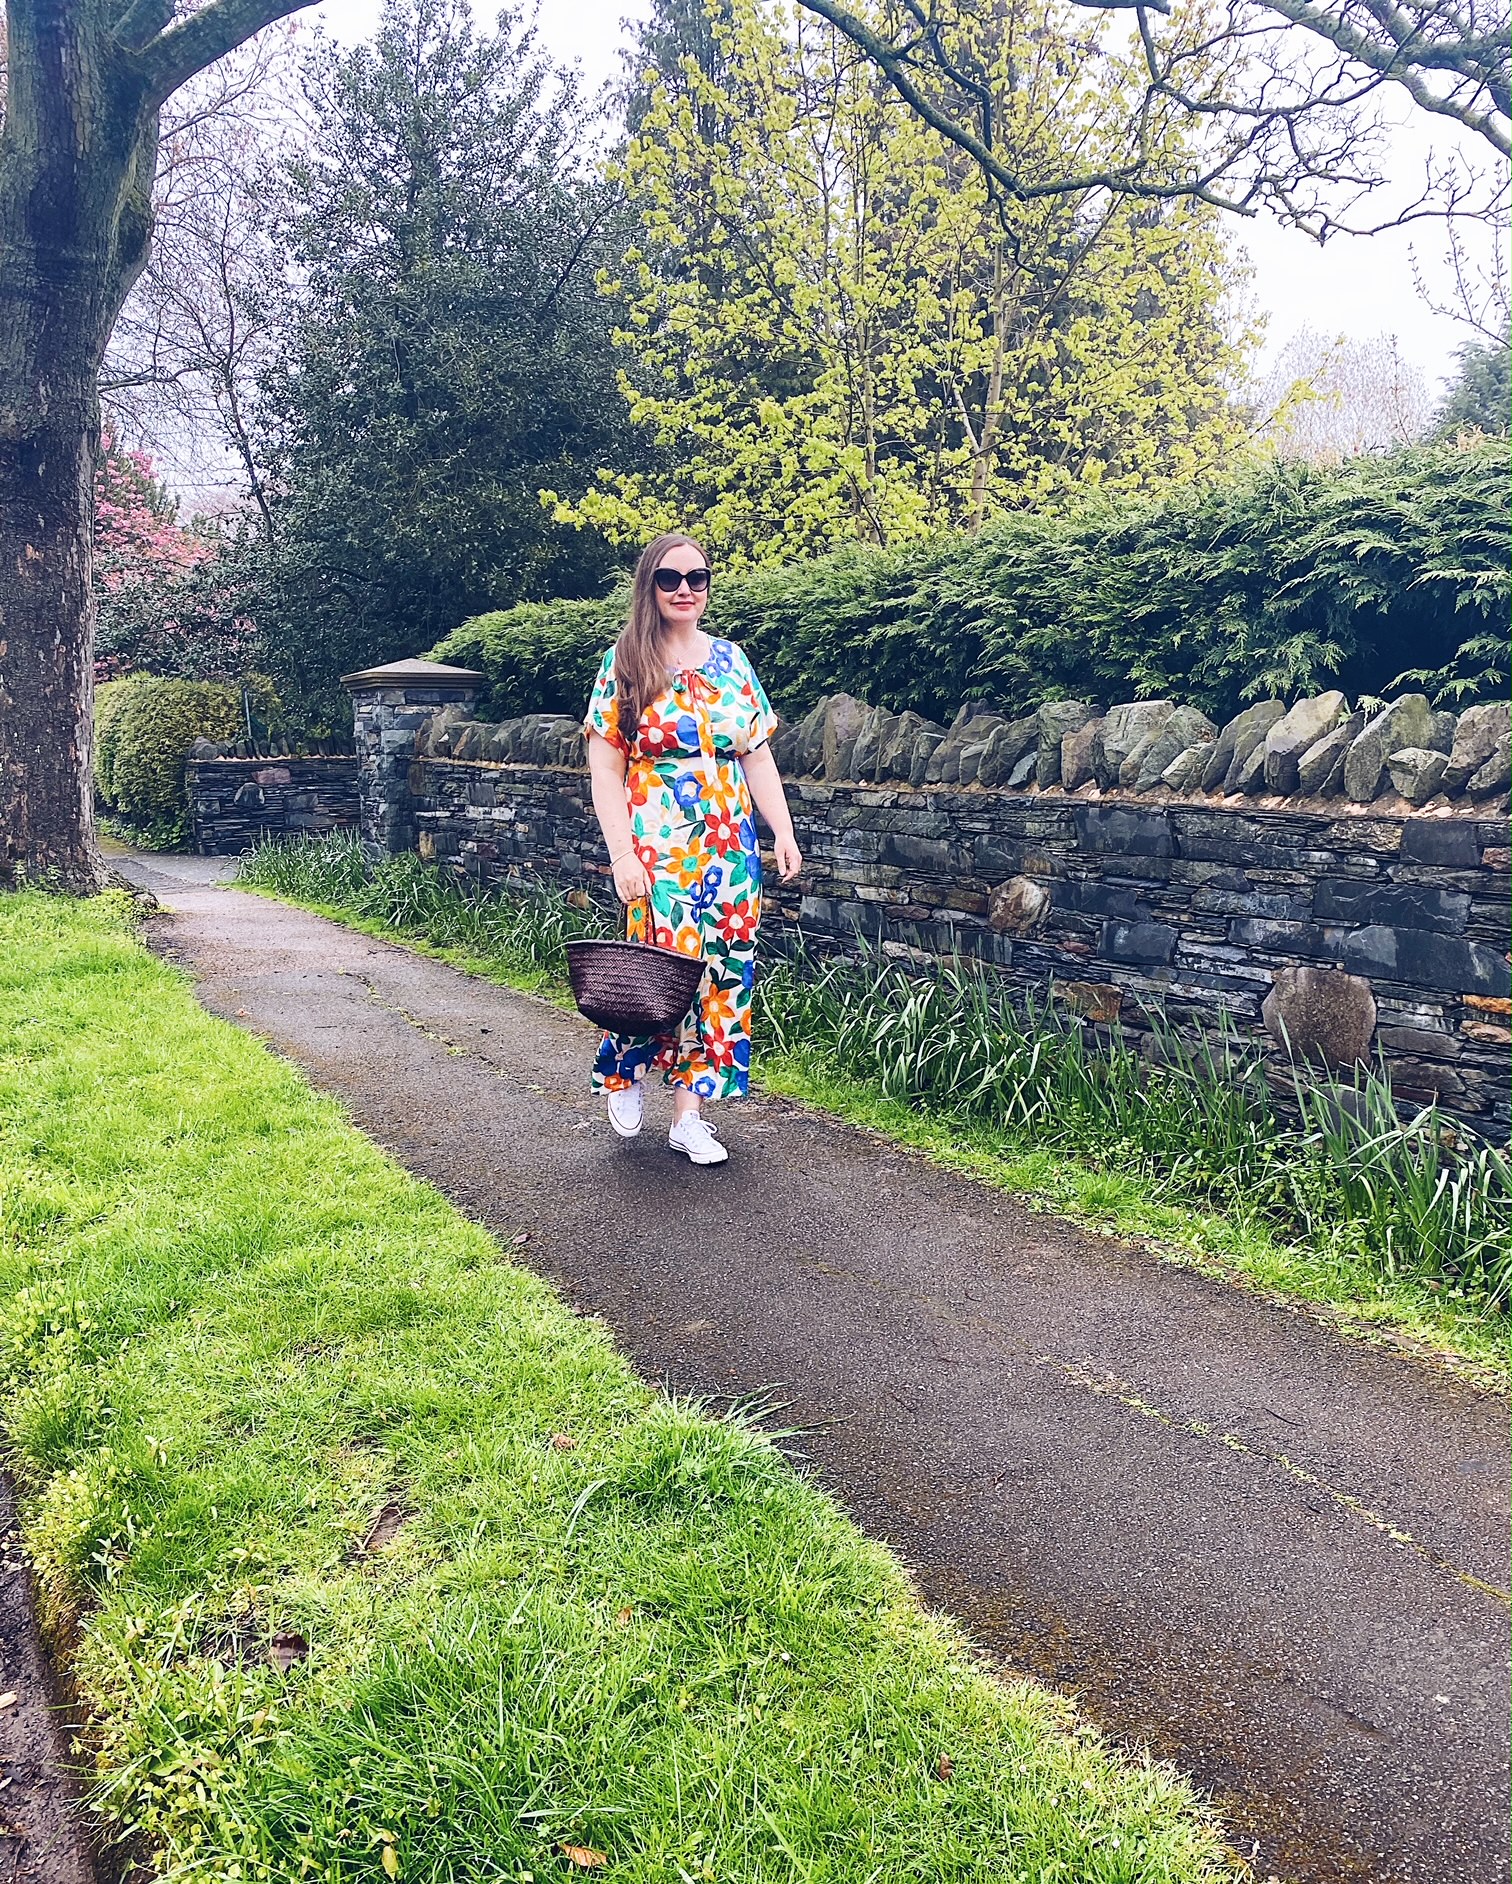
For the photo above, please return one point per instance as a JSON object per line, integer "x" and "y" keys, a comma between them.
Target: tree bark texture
{"x": 78, "y": 150}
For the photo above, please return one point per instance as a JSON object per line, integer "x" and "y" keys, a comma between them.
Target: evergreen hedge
{"x": 144, "y": 728}
{"x": 1285, "y": 579}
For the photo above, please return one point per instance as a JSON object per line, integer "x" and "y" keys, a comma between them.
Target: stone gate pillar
{"x": 388, "y": 704}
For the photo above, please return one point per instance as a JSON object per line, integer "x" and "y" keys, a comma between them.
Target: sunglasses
{"x": 669, "y": 581}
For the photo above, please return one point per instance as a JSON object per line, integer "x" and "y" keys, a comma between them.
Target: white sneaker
{"x": 694, "y": 1135}
{"x": 625, "y": 1111}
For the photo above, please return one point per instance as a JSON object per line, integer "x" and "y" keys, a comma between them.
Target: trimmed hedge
{"x": 145, "y": 740}
{"x": 1284, "y": 580}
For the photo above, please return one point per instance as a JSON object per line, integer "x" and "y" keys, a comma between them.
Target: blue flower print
{"x": 705, "y": 895}
{"x": 721, "y": 658}
{"x": 742, "y": 1052}
{"x": 748, "y": 837}
{"x": 687, "y": 789}
{"x": 705, "y": 1087}
{"x": 687, "y": 732}
{"x": 748, "y": 973}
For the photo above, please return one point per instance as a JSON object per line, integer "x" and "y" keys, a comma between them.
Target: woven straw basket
{"x": 633, "y": 987}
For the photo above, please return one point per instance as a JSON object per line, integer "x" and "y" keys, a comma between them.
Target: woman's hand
{"x": 631, "y": 879}
{"x": 789, "y": 857}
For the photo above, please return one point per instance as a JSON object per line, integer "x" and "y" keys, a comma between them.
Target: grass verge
{"x": 1372, "y": 1223}
{"x": 378, "y": 1562}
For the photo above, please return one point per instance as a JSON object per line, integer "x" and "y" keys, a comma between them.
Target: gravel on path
{"x": 1276, "y": 1555}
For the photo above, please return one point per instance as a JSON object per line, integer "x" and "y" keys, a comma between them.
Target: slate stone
{"x": 924, "y": 749}
{"x": 924, "y": 856}
{"x": 1238, "y": 740}
{"x": 1151, "y": 943}
{"x": 1247, "y": 774}
{"x": 1281, "y": 938}
{"x": 1005, "y": 748}
{"x": 1402, "y": 905}
{"x": 1409, "y": 721}
{"x": 1495, "y": 775}
{"x": 1122, "y": 731}
{"x": 1024, "y": 771}
{"x": 1416, "y": 773}
{"x": 1184, "y": 773}
{"x": 1477, "y": 733}
{"x": 978, "y": 737}
{"x": 1448, "y": 844}
{"x": 1093, "y": 1000}
{"x": 1052, "y": 723}
{"x": 1142, "y": 770}
{"x": 1076, "y": 754}
{"x": 896, "y": 744}
{"x": 467, "y": 740}
{"x": 808, "y": 742}
{"x": 1321, "y": 1014}
{"x": 1089, "y": 896}
{"x": 1424, "y": 960}
{"x": 1295, "y": 732}
{"x": 1320, "y": 769}
{"x": 868, "y": 744}
{"x": 1019, "y": 907}
{"x": 1123, "y": 830}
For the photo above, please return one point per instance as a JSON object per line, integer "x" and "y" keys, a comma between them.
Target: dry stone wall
{"x": 234, "y": 803}
{"x": 1278, "y": 871}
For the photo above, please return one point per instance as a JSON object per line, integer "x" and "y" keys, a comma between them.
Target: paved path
{"x": 1261, "y": 1547}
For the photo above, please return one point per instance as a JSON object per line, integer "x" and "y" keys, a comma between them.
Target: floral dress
{"x": 695, "y": 832}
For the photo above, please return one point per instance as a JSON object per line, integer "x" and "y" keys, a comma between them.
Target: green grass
{"x": 1396, "y": 1227}
{"x": 235, "y": 1332}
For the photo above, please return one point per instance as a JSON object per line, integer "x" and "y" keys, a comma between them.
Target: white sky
{"x": 1353, "y": 287}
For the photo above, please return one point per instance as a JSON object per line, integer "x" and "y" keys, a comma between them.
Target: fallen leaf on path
{"x": 7, "y": 1700}
{"x": 583, "y": 1856}
{"x": 563, "y": 1442}
{"x": 946, "y": 1766}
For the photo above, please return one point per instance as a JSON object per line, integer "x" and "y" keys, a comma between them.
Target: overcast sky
{"x": 1356, "y": 287}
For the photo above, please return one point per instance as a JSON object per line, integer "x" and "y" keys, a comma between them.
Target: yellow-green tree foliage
{"x": 831, "y": 333}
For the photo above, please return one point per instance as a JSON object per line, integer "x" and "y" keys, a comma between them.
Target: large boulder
{"x": 1237, "y": 741}
{"x": 1321, "y": 1014}
{"x": 1296, "y": 732}
{"x": 1410, "y": 721}
{"x": 1417, "y": 773}
{"x": 1052, "y": 723}
{"x": 840, "y": 727}
{"x": 1141, "y": 771}
{"x": 1077, "y": 753}
{"x": 1477, "y": 733}
{"x": 1019, "y": 907}
{"x": 1321, "y": 768}
{"x": 1123, "y": 729}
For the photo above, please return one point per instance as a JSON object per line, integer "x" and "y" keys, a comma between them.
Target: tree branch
{"x": 176, "y": 55}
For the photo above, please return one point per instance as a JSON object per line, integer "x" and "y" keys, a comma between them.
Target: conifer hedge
{"x": 1284, "y": 579}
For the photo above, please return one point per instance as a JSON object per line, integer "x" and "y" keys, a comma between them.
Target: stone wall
{"x": 235, "y": 802}
{"x": 1353, "y": 930}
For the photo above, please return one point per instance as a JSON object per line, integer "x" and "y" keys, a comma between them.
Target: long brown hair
{"x": 640, "y": 673}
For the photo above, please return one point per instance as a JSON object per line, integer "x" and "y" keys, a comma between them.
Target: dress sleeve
{"x": 760, "y": 720}
{"x": 602, "y": 716}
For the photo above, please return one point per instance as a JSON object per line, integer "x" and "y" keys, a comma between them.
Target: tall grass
{"x": 1337, "y": 1166}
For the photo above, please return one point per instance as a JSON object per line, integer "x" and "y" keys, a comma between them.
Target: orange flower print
{"x": 717, "y": 1012}
{"x": 738, "y": 922}
{"x": 688, "y": 941}
{"x": 685, "y": 863}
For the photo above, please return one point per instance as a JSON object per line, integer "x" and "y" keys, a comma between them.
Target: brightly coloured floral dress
{"x": 695, "y": 832}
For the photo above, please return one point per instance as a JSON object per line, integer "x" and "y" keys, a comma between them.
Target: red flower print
{"x": 723, "y": 832}
{"x": 646, "y": 853}
{"x": 738, "y": 923}
{"x": 657, "y": 735}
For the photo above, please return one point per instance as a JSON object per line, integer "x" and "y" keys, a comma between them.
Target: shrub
{"x": 1286, "y": 579}
{"x": 110, "y": 703}
{"x": 150, "y": 739}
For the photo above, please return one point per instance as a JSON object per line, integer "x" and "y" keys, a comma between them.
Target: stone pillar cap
{"x": 414, "y": 674}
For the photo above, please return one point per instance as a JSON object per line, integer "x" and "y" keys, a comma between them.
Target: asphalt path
{"x": 1271, "y": 1553}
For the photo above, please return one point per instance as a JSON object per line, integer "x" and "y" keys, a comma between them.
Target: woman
{"x": 678, "y": 730}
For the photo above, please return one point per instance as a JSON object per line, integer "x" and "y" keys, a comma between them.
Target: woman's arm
{"x": 607, "y": 766}
{"x": 765, "y": 781}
